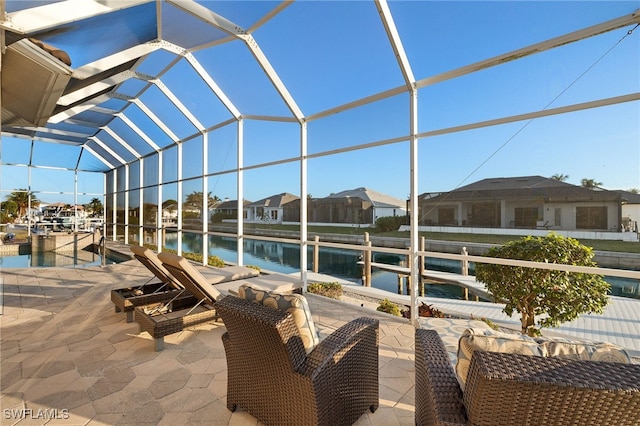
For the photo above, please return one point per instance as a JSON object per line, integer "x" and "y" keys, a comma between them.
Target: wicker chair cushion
{"x": 473, "y": 339}
{"x": 295, "y": 304}
{"x": 574, "y": 349}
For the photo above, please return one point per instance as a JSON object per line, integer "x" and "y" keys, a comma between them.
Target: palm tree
{"x": 195, "y": 200}
{"x": 21, "y": 198}
{"x": 95, "y": 205}
{"x": 560, "y": 177}
{"x": 590, "y": 183}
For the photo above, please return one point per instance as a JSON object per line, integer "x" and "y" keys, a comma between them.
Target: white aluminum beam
{"x": 181, "y": 107}
{"x": 206, "y": 77}
{"x": 414, "y": 219}
{"x": 106, "y": 148}
{"x": 156, "y": 120}
{"x": 396, "y": 42}
{"x": 53, "y": 15}
{"x": 273, "y": 76}
{"x": 99, "y": 86}
{"x": 138, "y": 131}
{"x": 68, "y": 113}
{"x": 115, "y": 60}
{"x": 208, "y": 16}
{"x": 240, "y": 194}
{"x": 122, "y": 142}
{"x": 99, "y": 157}
{"x": 531, "y": 115}
{"x": 613, "y": 24}
{"x": 229, "y": 27}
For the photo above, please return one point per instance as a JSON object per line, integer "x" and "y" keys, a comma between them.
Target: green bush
{"x": 552, "y": 296}
{"x": 389, "y": 307}
{"x": 332, "y": 290}
{"x": 211, "y": 260}
{"x": 390, "y": 223}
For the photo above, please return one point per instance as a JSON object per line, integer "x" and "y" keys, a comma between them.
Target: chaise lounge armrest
{"x": 509, "y": 388}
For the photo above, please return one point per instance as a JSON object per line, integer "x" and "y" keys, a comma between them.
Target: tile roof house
{"x": 524, "y": 202}
{"x": 360, "y": 206}
{"x": 270, "y": 209}
{"x": 630, "y": 210}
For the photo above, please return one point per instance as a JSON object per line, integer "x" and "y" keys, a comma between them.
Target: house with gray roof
{"x": 268, "y": 210}
{"x": 359, "y": 206}
{"x": 630, "y": 210}
{"x": 524, "y": 202}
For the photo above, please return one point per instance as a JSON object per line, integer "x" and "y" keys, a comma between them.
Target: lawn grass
{"x": 600, "y": 245}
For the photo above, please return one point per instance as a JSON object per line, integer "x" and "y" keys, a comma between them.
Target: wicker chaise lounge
{"x": 182, "y": 313}
{"x": 168, "y": 287}
{"x": 514, "y": 389}
{"x": 271, "y": 376}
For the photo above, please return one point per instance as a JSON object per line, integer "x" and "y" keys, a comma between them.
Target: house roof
{"x": 523, "y": 187}
{"x": 376, "y": 198}
{"x": 231, "y": 205}
{"x": 629, "y": 197}
{"x": 274, "y": 200}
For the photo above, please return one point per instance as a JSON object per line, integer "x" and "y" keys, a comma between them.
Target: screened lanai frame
{"x": 116, "y": 148}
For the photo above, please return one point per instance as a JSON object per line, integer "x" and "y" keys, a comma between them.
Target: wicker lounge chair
{"x": 168, "y": 288}
{"x": 271, "y": 376}
{"x": 516, "y": 389}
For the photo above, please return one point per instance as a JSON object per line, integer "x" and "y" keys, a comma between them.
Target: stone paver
{"x": 66, "y": 352}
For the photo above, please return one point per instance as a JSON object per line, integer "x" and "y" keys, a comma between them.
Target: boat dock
{"x": 467, "y": 282}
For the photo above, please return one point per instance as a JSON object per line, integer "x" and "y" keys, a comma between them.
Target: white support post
{"x": 303, "y": 206}
{"x": 179, "y": 200}
{"x": 413, "y": 256}
{"x": 126, "y": 204}
{"x": 159, "y": 225}
{"x": 205, "y": 196}
{"x": 240, "y": 189}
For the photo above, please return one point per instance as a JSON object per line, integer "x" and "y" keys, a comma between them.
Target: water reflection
{"x": 78, "y": 259}
{"x": 285, "y": 258}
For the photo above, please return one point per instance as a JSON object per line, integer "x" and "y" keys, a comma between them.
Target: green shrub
{"x": 390, "y": 223}
{"x": 214, "y": 261}
{"x": 552, "y": 296}
{"x": 332, "y": 290}
{"x": 389, "y": 307}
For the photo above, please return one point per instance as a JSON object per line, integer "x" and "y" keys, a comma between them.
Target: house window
{"x": 591, "y": 218}
{"x": 274, "y": 214}
{"x": 485, "y": 214}
{"x": 526, "y": 217}
{"x": 446, "y": 216}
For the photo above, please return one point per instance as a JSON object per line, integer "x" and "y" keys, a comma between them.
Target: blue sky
{"x": 332, "y": 53}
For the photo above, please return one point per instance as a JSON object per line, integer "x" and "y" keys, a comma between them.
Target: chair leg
{"x": 118, "y": 309}
{"x": 158, "y": 344}
{"x": 129, "y": 316}
{"x": 231, "y": 406}
{"x": 373, "y": 408}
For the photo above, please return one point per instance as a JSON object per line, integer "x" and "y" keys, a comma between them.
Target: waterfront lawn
{"x": 601, "y": 245}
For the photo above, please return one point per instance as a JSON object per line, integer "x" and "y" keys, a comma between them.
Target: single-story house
{"x": 359, "y": 206}
{"x": 229, "y": 209}
{"x": 630, "y": 210}
{"x": 524, "y": 202}
{"x": 268, "y": 210}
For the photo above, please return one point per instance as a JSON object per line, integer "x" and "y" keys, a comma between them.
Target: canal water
{"x": 71, "y": 259}
{"x": 285, "y": 258}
